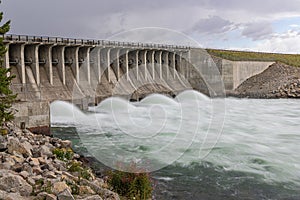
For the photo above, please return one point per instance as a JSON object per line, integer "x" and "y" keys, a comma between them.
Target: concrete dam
{"x": 84, "y": 72}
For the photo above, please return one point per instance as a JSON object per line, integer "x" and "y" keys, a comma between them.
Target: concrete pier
{"x": 58, "y": 60}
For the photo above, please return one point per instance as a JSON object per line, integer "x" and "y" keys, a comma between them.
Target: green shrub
{"x": 63, "y": 154}
{"x": 74, "y": 187}
{"x": 7, "y": 98}
{"x": 84, "y": 172}
{"x": 74, "y": 166}
{"x": 47, "y": 187}
{"x": 131, "y": 185}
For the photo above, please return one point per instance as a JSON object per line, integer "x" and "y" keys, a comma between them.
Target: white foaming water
{"x": 259, "y": 136}
{"x": 191, "y": 95}
{"x": 114, "y": 104}
{"x": 65, "y": 112}
{"x": 159, "y": 99}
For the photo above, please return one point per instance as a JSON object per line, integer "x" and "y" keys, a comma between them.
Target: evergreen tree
{"x": 6, "y": 95}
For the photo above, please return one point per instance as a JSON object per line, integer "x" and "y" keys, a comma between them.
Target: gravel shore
{"x": 38, "y": 167}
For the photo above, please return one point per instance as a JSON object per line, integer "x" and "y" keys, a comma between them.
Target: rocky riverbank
{"x": 37, "y": 167}
{"x": 277, "y": 81}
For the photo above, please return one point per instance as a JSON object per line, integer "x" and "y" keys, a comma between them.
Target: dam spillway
{"x": 85, "y": 72}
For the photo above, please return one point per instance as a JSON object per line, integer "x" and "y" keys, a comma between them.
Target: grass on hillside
{"x": 290, "y": 59}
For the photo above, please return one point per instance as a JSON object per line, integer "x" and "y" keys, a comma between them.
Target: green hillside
{"x": 290, "y": 59}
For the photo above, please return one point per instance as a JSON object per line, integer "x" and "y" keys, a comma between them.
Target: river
{"x": 195, "y": 147}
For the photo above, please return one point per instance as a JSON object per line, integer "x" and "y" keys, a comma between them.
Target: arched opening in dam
{"x": 151, "y": 88}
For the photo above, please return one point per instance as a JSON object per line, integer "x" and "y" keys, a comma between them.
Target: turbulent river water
{"x": 194, "y": 147}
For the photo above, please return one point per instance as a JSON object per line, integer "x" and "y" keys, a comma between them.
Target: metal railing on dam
{"x": 72, "y": 41}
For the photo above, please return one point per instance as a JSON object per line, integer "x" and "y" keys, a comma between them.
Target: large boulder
{"x": 45, "y": 196}
{"x": 3, "y": 143}
{"x": 83, "y": 189}
{"x": 94, "y": 197}
{"x": 23, "y": 148}
{"x": 65, "y": 195}
{"x": 66, "y": 144}
{"x": 11, "y": 196}
{"x": 105, "y": 193}
{"x": 59, "y": 187}
{"x": 13, "y": 183}
{"x": 46, "y": 151}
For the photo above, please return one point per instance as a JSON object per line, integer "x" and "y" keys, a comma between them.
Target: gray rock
{"x": 36, "y": 178}
{"x": 36, "y": 152}
{"x": 94, "y": 197}
{"x": 48, "y": 166}
{"x": 5, "y": 165}
{"x": 18, "y": 157}
{"x": 24, "y": 148}
{"x": 107, "y": 194}
{"x": 60, "y": 165}
{"x": 42, "y": 161}
{"x": 46, "y": 151}
{"x": 76, "y": 156}
{"x": 59, "y": 187}
{"x": 26, "y": 167}
{"x": 37, "y": 170}
{"x": 31, "y": 181}
{"x": 65, "y": 195}
{"x": 11, "y": 196}
{"x": 45, "y": 196}
{"x": 4, "y": 172}
{"x": 16, "y": 184}
{"x": 3, "y": 143}
{"x": 34, "y": 162}
{"x": 86, "y": 190}
{"x": 50, "y": 174}
{"x": 18, "y": 167}
{"x": 10, "y": 160}
{"x": 24, "y": 174}
{"x": 66, "y": 144}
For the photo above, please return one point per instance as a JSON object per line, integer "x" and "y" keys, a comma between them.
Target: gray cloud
{"x": 79, "y": 18}
{"x": 265, "y": 7}
{"x": 93, "y": 18}
{"x": 213, "y": 25}
{"x": 102, "y": 19}
{"x": 257, "y": 31}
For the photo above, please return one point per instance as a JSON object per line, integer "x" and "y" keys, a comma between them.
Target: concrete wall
{"x": 34, "y": 114}
{"x": 236, "y": 72}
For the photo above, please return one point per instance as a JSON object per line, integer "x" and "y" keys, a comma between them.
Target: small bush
{"x": 47, "y": 187}
{"x": 84, "y": 172}
{"x": 74, "y": 187}
{"x": 131, "y": 185}
{"x": 63, "y": 154}
{"x": 74, "y": 166}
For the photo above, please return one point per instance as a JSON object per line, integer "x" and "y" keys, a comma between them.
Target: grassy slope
{"x": 290, "y": 59}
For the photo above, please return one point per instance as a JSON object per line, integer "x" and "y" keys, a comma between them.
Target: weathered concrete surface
{"x": 33, "y": 114}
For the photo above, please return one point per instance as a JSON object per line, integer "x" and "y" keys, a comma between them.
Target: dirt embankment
{"x": 277, "y": 81}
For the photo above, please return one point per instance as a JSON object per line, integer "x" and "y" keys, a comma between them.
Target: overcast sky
{"x": 258, "y": 25}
